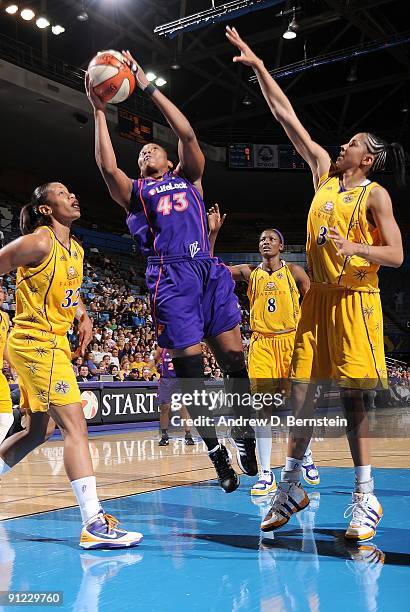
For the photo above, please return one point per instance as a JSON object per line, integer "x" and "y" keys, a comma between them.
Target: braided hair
{"x": 30, "y": 216}
{"x": 385, "y": 152}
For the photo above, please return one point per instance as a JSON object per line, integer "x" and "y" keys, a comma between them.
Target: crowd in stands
{"x": 124, "y": 346}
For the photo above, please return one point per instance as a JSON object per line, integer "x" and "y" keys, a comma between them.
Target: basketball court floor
{"x": 202, "y": 548}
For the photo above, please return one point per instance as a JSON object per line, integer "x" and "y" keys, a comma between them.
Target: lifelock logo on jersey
{"x": 194, "y": 248}
{"x": 169, "y": 187}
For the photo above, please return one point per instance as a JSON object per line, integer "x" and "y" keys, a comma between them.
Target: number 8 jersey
{"x": 47, "y": 295}
{"x": 346, "y": 210}
{"x": 274, "y": 301}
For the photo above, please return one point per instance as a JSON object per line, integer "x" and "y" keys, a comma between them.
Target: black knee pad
{"x": 189, "y": 367}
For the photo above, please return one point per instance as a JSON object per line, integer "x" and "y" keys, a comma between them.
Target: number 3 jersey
{"x": 274, "y": 301}
{"x": 167, "y": 217}
{"x": 346, "y": 210}
{"x": 47, "y": 295}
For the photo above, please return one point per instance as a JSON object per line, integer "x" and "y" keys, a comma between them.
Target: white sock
{"x": 307, "y": 457}
{"x": 292, "y": 470}
{"x": 6, "y": 421}
{"x": 363, "y": 473}
{"x": 85, "y": 490}
{"x": 292, "y": 464}
{"x": 4, "y": 468}
{"x": 263, "y": 435}
{"x": 214, "y": 449}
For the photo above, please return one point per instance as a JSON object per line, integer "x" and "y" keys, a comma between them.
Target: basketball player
{"x": 166, "y": 387}
{"x": 351, "y": 232}
{"x": 49, "y": 264}
{"x": 192, "y": 295}
{"x": 274, "y": 313}
{"x": 6, "y": 409}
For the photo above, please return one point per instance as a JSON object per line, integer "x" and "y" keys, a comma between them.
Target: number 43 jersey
{"x": 274, "y": 301}
{"x": 47, "y": 295}
{"x": 167, "y": 217}
{"x": 346, "y": 210}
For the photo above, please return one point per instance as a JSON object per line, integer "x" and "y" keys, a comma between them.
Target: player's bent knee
{"x": 232, "y": 362}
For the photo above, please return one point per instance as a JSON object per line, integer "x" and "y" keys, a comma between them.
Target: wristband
{"x": 150, "y": 88}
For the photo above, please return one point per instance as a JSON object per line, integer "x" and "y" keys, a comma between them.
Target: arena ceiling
{"x": 333, "y": 100}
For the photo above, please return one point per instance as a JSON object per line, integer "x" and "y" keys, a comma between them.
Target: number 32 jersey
{"x": 167, "y": 217}
{"x": 47, "y": 295}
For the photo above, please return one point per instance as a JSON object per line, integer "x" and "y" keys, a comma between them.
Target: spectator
{"x": 83, "y": 375}
{"x": 147, "y": 375}
{"x": 125, "y": 368}
{"x": 77, "y": 363}
{"x": 133, "y": 376}
{"x": 114, "y": 358}
{"x": 115, "y": 373}
{"x": 138, "y": 361}
{"x": 217, "y": 375}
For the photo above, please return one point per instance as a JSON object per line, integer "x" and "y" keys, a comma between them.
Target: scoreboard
{"x": 240, "y": 156}
{"x": 280, "y": 157}
{"x": 133, "y": 127}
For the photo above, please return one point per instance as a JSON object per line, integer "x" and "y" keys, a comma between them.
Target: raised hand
{"x": 95, "y": 101}
{"x": 215, "y": 220}
{"x": 141, "y": 79}
{"x": 345, "y": 247}
{"x": 247, "y": 56}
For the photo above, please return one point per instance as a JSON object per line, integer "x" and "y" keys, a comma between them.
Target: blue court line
{"x": 202, "y": 550}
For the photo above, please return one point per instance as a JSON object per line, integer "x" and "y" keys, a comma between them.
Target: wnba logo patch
{"x": 72, "y": 273}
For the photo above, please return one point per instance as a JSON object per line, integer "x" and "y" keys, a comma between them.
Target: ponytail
{"x": 30, "y": 215}
{"x": 385, "y": 153}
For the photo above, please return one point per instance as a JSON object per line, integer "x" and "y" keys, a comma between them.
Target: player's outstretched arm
{"x": 215, "y": 222}
{"x": 30, "y": 250}
{"x": 241, "y": 272}
{"x": 191, "y": 159}
{"x": 317, "y": 158}
{"x": 390, "y": 252}
{"x": 118, "y": 183}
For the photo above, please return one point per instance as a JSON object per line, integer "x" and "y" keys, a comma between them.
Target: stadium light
{"x": 290, "y": 32}
{"x": 42, "y": 23}
{"x": 12, "y": 9}
{"x": 27, "y": 14}
{"x": 160, "y": 82}
{"x": 82, "y": 16}
{"x": 151, "y": 76}
{"x": 57, "y": 30}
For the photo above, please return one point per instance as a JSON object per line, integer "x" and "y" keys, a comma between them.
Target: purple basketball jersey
{"x": 167, "y": 217}
{"x": 167, "y": 369}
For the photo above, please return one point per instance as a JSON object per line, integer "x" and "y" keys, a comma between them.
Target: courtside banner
{"x": 129, "y": 403}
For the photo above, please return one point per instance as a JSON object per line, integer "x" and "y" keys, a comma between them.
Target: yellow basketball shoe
{"x": 289, "y": 499}
{"x": 265, "y": 484}
{"x": 366, "y": 513}
{"x": 101, "y": 531}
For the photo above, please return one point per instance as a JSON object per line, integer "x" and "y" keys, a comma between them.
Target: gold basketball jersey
{"x": 4, "y": 330}
{"x": 345, "y": 210}
{"x": 47, "y": 295}
{"x": 274, "y": 300}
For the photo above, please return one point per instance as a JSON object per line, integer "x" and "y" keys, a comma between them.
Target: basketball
{"x": 111, "y": 77}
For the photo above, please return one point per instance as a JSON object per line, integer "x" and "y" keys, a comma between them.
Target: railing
{"x": 56, "y": 69}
